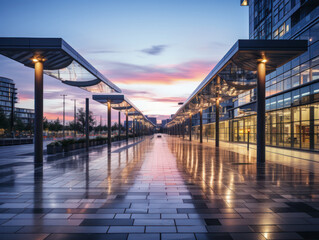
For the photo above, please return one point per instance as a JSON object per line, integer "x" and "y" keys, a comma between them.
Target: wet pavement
{"x": 159, "y": 188}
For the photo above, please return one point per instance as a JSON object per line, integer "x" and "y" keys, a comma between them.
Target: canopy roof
{"x": 121, "y": 103}
{"x": 238, "y": 71}
{"x": 61, "y": 61}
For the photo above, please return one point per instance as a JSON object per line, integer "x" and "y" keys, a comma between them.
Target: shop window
{"x": 287, "y": 115}
{"x": 305, "y": 113}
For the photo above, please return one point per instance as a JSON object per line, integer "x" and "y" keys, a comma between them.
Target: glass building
{"x": 292, "y": 91}
{"x": 8, "y": 98}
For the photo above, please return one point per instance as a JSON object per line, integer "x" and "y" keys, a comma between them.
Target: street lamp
{"x": 63, "y": 96}
{"x": 74, "y": 100}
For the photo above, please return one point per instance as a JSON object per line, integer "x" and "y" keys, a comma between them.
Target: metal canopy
{"x": 121, "y": 103}
{"x": 61, "y": 61}
{"x": 118, "y": 101}
{"x": 238, "y": 71}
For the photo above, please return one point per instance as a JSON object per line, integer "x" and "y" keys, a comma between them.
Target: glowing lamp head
{"x": 264, "y": 60}
{"x": 37, "y": 59}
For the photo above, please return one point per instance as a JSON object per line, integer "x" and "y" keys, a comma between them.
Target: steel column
{"x": 261, "y": 77}
{"x": 87, "y": 126}
{"x": 109, "y": 127}
{"x": 190, "y": 127}
{"x": 201, "y": 126}
{"x": 217, "y": 114}
{"x": 126, "y": 127}
{"x": 38, "y": 112}
{"x": 119, "y": 126}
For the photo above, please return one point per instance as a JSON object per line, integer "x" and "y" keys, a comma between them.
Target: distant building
{"x": 130, "y": 124}
{"x": 8, "y": 98}
{"x": 152, "y": 119}
{"x": 164, "y": 122}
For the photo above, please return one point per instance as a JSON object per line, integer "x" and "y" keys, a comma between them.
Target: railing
{"x": 15, "y": 141}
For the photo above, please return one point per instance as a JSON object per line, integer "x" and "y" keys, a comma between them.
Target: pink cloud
{"x": 162, "y": 74}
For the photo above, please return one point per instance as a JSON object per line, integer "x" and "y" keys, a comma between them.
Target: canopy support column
{"x": 109, "y": 127}
{"x": 87, "y": 123}
{"x": 217, "y": 114}
{"x": 261, "y": 77}
{"x": 201, "y": 126}
{"x": 190, "y": 128}
{"x": 133, "y": 125}
{"x": 119, "y": 126}
{"x": 183, "y": 128}
{"x": 38, "y": 113}
{"x": 126, "y": 127}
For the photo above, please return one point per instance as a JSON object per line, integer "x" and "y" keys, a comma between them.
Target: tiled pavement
{"x": 159, "y": 188}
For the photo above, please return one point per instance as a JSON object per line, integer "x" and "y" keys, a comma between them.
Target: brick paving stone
{"x": 160, "y": 188}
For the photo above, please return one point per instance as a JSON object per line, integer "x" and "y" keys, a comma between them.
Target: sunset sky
{"x": 157, "y": 52}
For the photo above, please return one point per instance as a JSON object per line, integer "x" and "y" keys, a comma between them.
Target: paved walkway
{"x": 160, "y": 188}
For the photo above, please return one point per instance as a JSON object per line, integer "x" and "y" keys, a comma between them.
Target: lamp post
{"x": 63, "y": 96}
{"x": 38, "y": 109}
{"x": 100, "y": 128}
{"x": 248, "y": 132}
{"x": 126, "y": 127}
{"x": 87, "y": 126}
{"x": 74, "y": 118}
{"x": 261, "y": 78}
{"x": 217, "y": 113}
{"x": 109, "y": 130}
{"x": 190, "y": 127}
{"x": 201, "y": 125}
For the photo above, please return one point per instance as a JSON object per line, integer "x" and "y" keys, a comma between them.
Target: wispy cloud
{"x": 160, "y": 74}
{"x": 130, "y": 92}
{"x": 154, "y": 50}
{"x": 168, "y": 99}
{"x": 101, "y": 51}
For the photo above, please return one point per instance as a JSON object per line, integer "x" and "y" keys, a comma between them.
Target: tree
{"x": 80, "y": 117}
{"x": 45, "y": 123}
{"x": 115, "y": 127}
{"x": 19, "y": 125}
{"x": 4, "y": 122}
{"x": 55, "y": 125}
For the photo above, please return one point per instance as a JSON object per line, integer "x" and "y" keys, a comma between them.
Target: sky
{"x": 157, "y": 52}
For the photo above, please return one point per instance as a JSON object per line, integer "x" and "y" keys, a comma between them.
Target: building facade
{"x": 152, "y": 119}
{"x": 8, "y": 98}
{"x": 292, "y": 91}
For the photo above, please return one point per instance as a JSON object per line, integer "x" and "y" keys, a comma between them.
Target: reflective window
{"x": 295, "y": 80}
{"x": 304, "y": 77}
{"x": 305, "y": 94}
{"x": 287, "y": 83}
{"x": 280, "y": 101}
{"x": 273, "y": 103}
{"x": 314, "y": 33}
{"x": 315, "y": 91}
{"x": 315, "y": 73}
{"x": 295, "y": 97}
{"x": 287, "y": 99}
